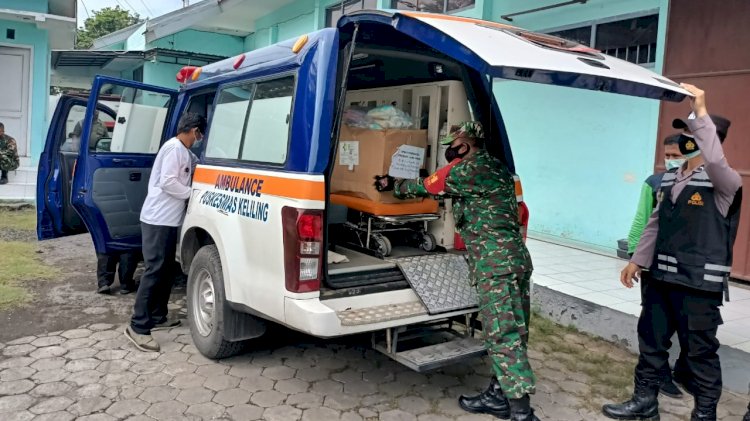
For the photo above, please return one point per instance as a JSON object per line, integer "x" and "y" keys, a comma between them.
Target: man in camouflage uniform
{"x": 8, "y": 155}
{"x": 486, "y": 215}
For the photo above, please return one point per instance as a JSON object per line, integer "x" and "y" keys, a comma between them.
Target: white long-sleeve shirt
{"x": 169, "y": 185}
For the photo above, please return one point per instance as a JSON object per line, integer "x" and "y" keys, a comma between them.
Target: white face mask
{"x": 673, "y": 163}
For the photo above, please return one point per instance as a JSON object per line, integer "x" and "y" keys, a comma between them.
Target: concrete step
{"x": 21, "y": 183}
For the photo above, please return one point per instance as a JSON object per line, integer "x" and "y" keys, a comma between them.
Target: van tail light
{"x": 523, "y": 218}
{"x": 303, "y": 248}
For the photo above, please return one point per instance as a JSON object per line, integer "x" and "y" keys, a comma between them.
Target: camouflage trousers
{"x": 504, "y": 310}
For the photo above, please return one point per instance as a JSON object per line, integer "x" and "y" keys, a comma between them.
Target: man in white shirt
{"x": 161, "y": 217}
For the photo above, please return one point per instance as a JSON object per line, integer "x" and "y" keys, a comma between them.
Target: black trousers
{"x": 159, "y": 245}
{"x": 107, "y": 265}
{"x": 695, "y": 316}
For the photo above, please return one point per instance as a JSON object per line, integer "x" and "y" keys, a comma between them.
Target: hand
{"x": 632, "y": 272}
{"x": 698, "y": 102}
{"x": 383, "y": 183}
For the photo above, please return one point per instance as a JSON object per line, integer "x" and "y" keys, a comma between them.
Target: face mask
{"x": 198, "y": 144}
{"x": 673, "y": 163}
{"x": 453, "y": 153}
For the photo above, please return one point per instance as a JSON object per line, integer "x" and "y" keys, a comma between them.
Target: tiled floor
{"x": 596, "y": 278}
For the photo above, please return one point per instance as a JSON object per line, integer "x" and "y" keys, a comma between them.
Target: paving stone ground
{"x": 92, "y": 373}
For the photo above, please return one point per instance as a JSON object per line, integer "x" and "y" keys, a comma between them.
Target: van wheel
{"x": 206, "y": 305}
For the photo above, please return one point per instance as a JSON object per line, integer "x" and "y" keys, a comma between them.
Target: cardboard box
{"x": 363, "y": 154}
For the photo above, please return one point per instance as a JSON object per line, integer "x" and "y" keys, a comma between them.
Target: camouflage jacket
{"x": 8, "y": 153}
{"x": 485, "y": 210}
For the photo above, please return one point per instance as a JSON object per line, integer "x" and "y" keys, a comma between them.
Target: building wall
{"x": 29, "y": 35}
{"x": 202, "y": 42}
{"x": 161, "y": 74}
{"x": 582, "y": 156}
{"x": 38, "y": 6}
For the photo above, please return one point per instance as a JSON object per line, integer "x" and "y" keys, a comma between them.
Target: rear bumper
{"x": 321, "y": 318}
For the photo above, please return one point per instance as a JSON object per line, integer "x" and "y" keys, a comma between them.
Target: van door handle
{"x": 123, "y": 161}
{"x": 135, "y": 176}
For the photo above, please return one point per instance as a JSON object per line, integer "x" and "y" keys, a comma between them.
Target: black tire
{"x": 211, "y": 343}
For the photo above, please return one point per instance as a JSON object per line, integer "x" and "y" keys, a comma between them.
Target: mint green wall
{"x": 29, "y": 35}
{"x": 38, "y": 6}
{"x": 161, "y": 74}
{"x": 137, "y": 40}
{"x": 202, "y": 42}
{"x": 582, "y": 156}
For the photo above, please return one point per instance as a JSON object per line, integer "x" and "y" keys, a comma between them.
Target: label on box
{"x": 349, "y": 153}
{"x": 406, "y": 162}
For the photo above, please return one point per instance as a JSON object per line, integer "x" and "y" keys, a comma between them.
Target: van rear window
{"x": 251, "y": 122}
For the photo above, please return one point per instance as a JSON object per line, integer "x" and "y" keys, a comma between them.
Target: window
{"x": 139, "y": 125}
{"x": 334, "y": 13}
{"x": 632, "y": 39}
{"x": 228, "y": 122}
{"x": 433, "y": 6}
{"x": 267, "y": 132}
{"x": 251, "y": 122}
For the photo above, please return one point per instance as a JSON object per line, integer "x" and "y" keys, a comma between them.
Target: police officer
{"x": 486, "y": 215}
{"x": 687, "y": 246}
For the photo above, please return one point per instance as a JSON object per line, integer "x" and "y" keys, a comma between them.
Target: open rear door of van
{"x": 110, "y": 179}
{"x": 507, "y": 52}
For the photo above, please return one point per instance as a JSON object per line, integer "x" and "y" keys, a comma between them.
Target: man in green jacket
{"x": 486, "y": 214}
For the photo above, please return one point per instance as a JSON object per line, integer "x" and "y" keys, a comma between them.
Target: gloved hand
{"x": 384, "y": 183}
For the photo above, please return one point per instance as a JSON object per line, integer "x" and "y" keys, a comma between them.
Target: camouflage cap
{"x": 465, "y": 129}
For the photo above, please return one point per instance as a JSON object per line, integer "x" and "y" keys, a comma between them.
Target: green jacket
{"x": 646, "y": 205}
{"x": 485, "y": 211}
{"x": 8, "y": 153}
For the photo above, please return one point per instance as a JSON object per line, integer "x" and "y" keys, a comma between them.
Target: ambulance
{"x": 262, "y": 222}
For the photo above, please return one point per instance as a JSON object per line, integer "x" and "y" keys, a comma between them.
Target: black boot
{"x": 747, "y": 416}
{"x": 705, "y": 409}
{"x": 520, "y": 410}
{"x": 643, "y": 406}
{"x": 4, "y": 177}
{"x": 491, "y": 401}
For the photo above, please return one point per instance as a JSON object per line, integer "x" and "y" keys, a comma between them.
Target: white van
{"x": 262, "y": 219}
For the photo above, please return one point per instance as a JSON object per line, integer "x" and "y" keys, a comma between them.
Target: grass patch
{"x": 19, "y": 263}
{"x": 22, "y": 220}
{"x": 607, "y": 367}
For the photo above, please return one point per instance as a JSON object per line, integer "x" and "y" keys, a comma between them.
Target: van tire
{"x": 206, "y": 279}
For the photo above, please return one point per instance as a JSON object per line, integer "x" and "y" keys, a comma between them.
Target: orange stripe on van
{"x": 457, "y": 19}
{"x": 273, "y": 186}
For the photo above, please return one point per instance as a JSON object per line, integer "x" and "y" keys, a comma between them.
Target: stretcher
{"x": 373, "y": 223}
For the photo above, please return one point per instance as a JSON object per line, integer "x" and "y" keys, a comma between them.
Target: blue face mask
{"x": 674, "y": 163}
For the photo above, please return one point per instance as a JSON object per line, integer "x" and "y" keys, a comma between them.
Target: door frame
{"x": 29, "y": 93}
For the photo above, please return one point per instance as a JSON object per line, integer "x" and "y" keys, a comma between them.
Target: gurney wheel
{"x": 381, "y": 244}
{"x": 428, "y": 243}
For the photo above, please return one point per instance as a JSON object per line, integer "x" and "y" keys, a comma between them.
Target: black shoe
{"x": 643, "y": 406}
{"x": 670, "y": 390}
{"x": 3, "y": 180}
{"x": 491, "y": 401}
{"x": 104, "y": 289}
{"x": 127, "y": 289}
{"x": 520, "y": 409}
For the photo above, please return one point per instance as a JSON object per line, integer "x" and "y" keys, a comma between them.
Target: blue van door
{"x": 110, "y": 180}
